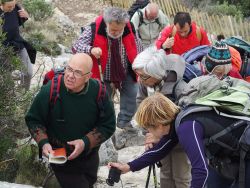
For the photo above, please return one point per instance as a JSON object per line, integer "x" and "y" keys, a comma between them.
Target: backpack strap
{"x": 173, "y": 32}
{"x": 158, "y": 22}
{"x": 141, "y": 21}
{"x": 55, "y": 94}
{"x": 55, "y": 88}
{"x": 214, "y": 138}
{"x": 242, "y": 167}
{"x": 198, "y": 33}
{"x": 188, "y": 110}
{"x": 139, "y": 12}
{"x": 101, "y": 97}
{"x": 244, "y": 151}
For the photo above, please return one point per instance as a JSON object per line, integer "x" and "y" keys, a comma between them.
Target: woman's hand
{"x": 124, "y": 168}
{"x": 150, "y": 140}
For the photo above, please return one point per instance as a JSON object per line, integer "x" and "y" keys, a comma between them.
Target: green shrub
{"x": 30, "y": 171}
{"x": 245, "y": 7}
{"x": 38, "y": 9}
{"x": 8, "y": 164}
{"x": 38, "y": 40}
{"x": 8, "y": 170}
{"x": 224, "y": 9}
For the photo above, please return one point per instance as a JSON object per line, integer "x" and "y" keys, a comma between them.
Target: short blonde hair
{"x": 155, "y": 110}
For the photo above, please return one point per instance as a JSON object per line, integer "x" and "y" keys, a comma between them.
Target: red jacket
{"x": 234, "y": 73}
{"x": 101, "y": 41}
{"x": 181, "y": 44}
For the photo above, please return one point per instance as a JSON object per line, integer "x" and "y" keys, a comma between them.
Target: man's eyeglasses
{"x": 76, "y": 73}
{"x": 144, "y": 77}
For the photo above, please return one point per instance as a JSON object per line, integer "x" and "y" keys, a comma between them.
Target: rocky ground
{"x": 80, "y": 13}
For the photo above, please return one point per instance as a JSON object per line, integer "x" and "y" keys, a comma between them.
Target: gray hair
{"x": 152, "y": 62}
{"x": 115, "y": 14}
{"x": 225, "y": 68}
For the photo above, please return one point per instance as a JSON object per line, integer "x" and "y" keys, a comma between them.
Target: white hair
{"x": 225, "y": 68}
{"x": 115, "y": 14}
{"x": 152, "y": 62}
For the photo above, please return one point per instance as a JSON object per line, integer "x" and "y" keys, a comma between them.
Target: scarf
{"x": 117, "y": 71}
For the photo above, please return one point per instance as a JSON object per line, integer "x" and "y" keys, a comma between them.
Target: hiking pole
{"x": 154, "y": 176}
{"x": 100, "y": 69}
{"x": 149, "y": 172}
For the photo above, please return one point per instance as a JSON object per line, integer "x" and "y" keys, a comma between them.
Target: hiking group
{"x": 191, "y": 97}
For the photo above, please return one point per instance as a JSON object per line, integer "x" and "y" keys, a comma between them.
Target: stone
{"x": 107, "y": 153}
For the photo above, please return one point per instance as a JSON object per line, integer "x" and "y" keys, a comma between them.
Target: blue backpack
{"x": 192, "y": 58}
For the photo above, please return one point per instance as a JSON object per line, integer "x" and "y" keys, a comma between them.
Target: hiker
{"x": 220, "y": 37}
{"x": 73, "y": 122}
{"x": 182, "y": 36}
{"x": 13, "y": 16}
{"x": 113, "y": 42}
{"x": 158, "y": 115}
{"x": 163, "y": 73}
{"x": 149, "y": 21}
{"x": 218, "y": 61}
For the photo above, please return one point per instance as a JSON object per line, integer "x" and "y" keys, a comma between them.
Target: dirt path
{"x": 80, "y": 12}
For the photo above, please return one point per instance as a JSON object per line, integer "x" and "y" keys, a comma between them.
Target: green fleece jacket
{"x": 75, "y": 116}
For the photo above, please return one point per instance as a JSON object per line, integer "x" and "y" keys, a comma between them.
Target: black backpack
{"x": 138, "y": 4}
{"x": 232, "y": 149}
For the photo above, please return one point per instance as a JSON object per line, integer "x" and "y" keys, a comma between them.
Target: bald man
{"x": 149, "y": 21}
{"x": 73, "y": 123}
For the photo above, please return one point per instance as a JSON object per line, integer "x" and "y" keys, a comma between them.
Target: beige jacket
{"x": 149, "y": 30}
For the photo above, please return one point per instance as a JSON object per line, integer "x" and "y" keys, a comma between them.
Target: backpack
{"x": 138, "y": 4}
{"x": 229, "y": 97}
{"x": 55, "y": 75}
{"x": 233, "y": 99}
{"x": 193, "y": 58}
{"x": 236, "y": 58}
{"x": 226, "y": 152}
{"x": 202, "y": 86}
{"x": 243, "y": 48}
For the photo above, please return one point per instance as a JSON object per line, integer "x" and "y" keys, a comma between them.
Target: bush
{"x": 9, "y": 62}
{"x": 38, "y": 40}
{"x": 224, "y": 9}
{"x": 31, "y": 170}
{"x": 38, "y": 9}
{"x": 8, "y": 164}
{"x": 9, "y": 103}
{"x": 245, "y": 7}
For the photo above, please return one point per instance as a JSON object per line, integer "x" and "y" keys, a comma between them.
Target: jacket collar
{"x": 103, "y": 26}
